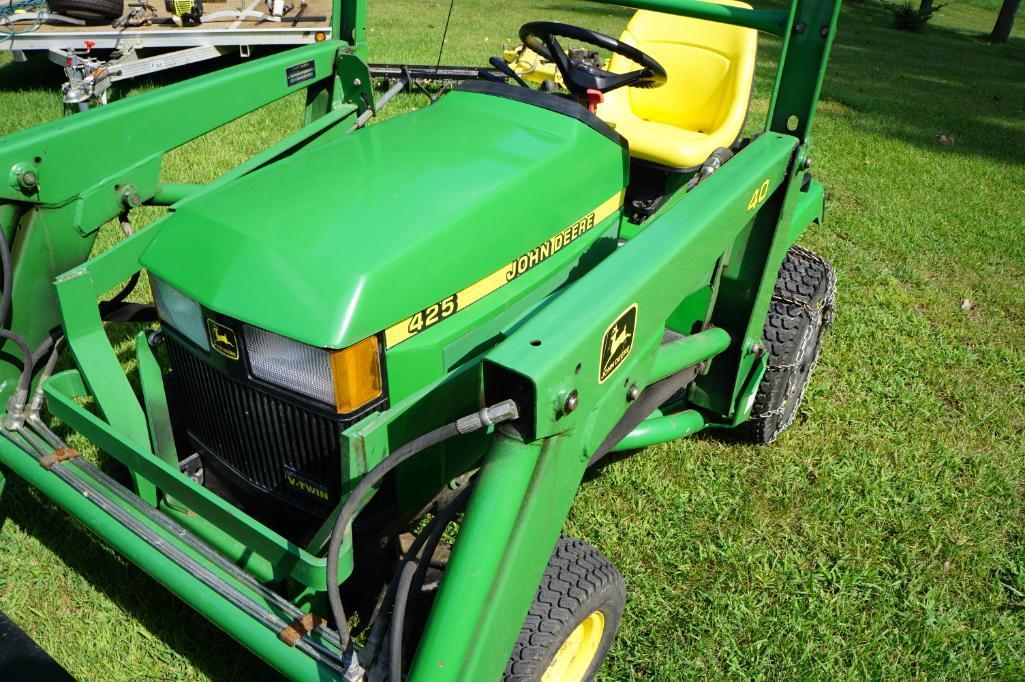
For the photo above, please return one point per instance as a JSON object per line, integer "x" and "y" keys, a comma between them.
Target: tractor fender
{"x": 810, "y": 208}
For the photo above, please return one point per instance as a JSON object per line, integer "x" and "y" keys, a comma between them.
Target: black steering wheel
{"x": 579, "y": 77}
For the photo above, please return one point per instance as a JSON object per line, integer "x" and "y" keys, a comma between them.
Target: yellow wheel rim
{"x": 575, "y": 655}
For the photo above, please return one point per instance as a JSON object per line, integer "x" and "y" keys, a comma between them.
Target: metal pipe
{"x": 770, "y": 21}
{"x": 488, "y": 524}
{"x": 399, "y": 86}
{"x": 172, "y": 192}
{"x": 690, "y": 350}
{"x": 162, "y": 560}
{"x": 661, "y": 429}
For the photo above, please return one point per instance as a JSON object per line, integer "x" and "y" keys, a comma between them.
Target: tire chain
{"x": 820, "y": 317}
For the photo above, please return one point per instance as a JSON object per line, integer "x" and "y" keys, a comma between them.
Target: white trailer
{"x": 145, "y": 38}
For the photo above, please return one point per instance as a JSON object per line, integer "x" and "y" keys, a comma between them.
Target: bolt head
{"x": 28, "y": 179}
{"x": 572, "y": 401}
{"x": 758, "y": 349}
{"x": 356, "y": 82}
{"x": 632, "y": 393}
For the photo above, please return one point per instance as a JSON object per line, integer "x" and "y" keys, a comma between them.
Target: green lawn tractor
{"x": 382, "y": 357}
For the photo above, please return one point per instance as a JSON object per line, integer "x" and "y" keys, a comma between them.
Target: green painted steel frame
{"x": 525, "y": 487}
{"x": 468, "y": 637}
{"x": 525, "y": 490}
{"x": 92, "y": 166}
{"x": 246, "y": 630}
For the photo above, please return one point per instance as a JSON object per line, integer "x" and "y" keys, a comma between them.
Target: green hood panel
{"x": 350, "y": 235}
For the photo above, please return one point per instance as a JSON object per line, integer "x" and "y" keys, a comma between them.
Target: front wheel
{"x": 572, "y": 622}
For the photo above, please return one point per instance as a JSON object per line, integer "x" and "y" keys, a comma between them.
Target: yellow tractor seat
{"x": 703, "y": 104}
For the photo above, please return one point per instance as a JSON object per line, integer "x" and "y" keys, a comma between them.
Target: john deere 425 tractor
{"x": 367, "y": 336}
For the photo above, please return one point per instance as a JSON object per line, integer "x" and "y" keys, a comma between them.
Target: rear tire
{"x": 572, "y": 622}
{"x": 800, "y": 312}
{"x": 94, "y": 10}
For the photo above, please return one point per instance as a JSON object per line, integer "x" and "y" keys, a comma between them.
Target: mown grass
{"x": 881, "y": 536}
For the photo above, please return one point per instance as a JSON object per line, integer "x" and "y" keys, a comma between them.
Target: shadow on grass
{"x": 915, "y": 87}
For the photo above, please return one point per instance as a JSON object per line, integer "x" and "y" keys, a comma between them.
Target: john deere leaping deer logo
{"x": 616, "y": 343}
{"x": 222, "y": 339}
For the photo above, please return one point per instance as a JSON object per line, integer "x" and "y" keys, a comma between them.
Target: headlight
{"x": 180, "y": 312}
{"x": 347, "y": 378}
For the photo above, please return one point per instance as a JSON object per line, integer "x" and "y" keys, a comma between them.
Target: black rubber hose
{"x": 401, "y": 598}
{"x": 443, "y": 517}
{"x": 127, "y": 289}
{"x": 368, "y": 481}
{"x": 25, "y": 380}
{"x": 26, "y": 353}
{"x": 410, "y": 582}
{"x": 650, "y": 399}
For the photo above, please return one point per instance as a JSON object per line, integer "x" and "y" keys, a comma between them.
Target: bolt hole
{"x": 792, "y": 122}
{"x": 535, "y": 342}
{"x": 39, "y": 159}
{"x": 577, "y": 370}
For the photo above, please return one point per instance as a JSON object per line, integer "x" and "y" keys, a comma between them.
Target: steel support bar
{"x": 168, "y": 525}
{"x": 770, "y": 21}
{"x": 171, "y": 193}
{"x": 287, "y": 559}
{"x": 661, "y": 429}
{"x": 802, "y": 67}
{"x": 81, "y": 152}
{"x": 477, "y": 560}
{"x": 690, "y": 350}
{"x": 247, "y": 630}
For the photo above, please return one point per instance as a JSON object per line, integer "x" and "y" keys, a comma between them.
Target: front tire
{"x": 799, "y": 313}
{"x": 572, "y": 622}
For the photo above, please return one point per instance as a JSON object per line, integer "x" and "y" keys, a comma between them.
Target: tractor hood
{"x": 352, "y": 234}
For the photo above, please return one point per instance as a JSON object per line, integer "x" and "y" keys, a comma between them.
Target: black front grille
{"x": 259, "y": 436}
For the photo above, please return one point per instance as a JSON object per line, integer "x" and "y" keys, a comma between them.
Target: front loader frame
{"x": 60, "y": 182}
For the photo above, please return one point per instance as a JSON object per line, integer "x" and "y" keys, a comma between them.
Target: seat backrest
{"x": 709, "y": 66}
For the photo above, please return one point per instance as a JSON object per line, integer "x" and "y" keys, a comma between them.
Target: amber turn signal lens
{"x": 356, "y": 371}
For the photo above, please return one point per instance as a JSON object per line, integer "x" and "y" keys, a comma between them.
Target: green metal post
{"x": 682, "y": 353}
{"x": 802, "y": 66}
{"x": 171, "y": 193}
{"x": 499, "y": 495}
{"x": 662, "y": 429}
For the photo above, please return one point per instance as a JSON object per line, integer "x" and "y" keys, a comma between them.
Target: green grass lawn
{"x": 881, "y": 536}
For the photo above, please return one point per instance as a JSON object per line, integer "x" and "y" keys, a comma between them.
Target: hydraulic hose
{"x": 650, "y": 399}
{"x": 499, "y": 412}
{"x": 442, "y": 518}
{"x": 401, "y": 599}
{"x": 411, "y": 578}
{"x": 16, "y": 403}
